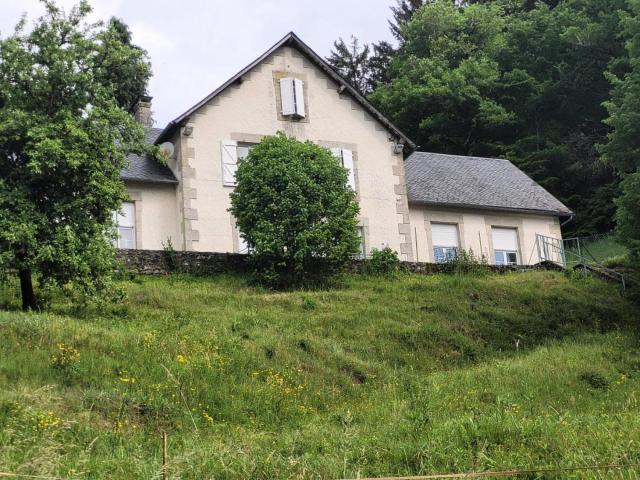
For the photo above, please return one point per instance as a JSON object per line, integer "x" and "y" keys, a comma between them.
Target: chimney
{"x": 142, "y": 111}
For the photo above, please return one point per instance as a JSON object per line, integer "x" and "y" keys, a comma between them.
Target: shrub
{"x": 296, "y": 211}
{"x": 616, "y": 261}
{"x": 383, "y": 262}
{"x": 170, "y": 255}
{"x": 468, "y": 263}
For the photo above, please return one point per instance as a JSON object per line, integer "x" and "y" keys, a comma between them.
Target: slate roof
{"x": 292, "y": 40}
{"x": 145, "y": 169}
{"x": 475, "y": 182}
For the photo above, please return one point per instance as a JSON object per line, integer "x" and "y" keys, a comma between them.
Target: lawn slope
{"x": 373, "y": 377}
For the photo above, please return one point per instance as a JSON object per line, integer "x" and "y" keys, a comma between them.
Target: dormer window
{"x": 292, "y": 97}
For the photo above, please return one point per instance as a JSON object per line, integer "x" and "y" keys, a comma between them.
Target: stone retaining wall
{"x": 158, "y": 262}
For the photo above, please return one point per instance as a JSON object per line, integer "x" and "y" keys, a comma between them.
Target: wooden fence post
{"x": 165, "y": 465}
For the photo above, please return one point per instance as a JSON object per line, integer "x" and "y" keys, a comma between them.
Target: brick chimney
{"x": 142, "y": 111}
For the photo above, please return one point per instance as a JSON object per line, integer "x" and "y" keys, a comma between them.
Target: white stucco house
{"x": 425, "y": 206}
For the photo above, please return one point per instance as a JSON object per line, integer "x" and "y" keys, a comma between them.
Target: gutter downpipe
{"x": 571, "y": 217}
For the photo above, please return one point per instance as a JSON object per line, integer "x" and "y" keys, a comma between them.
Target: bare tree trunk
{"x": 26, "y": 288}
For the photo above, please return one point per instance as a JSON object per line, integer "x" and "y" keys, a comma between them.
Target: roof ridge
{"x": 321, "y": 63}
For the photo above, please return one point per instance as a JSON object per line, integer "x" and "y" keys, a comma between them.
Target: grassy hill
{"x": 372, "y": 377}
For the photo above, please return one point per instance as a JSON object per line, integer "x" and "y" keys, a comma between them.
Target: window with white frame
{"x": 292, "y": 97}
{"x": 363, "y": 249}
{"x": 445, "y": 241}
{"x": 505, "y": 245}
{"x": 125, "y": 221}
{"x": 232, "y": 152}
{"x": 345, "y": 156}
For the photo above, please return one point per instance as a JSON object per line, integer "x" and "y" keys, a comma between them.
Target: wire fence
{"x": 612, "y": 471}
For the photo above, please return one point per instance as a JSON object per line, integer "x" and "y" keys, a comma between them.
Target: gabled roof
{"x": 475, "y": 182}
{"x": 291, "y": 39}
{"x": 145, "y": 169}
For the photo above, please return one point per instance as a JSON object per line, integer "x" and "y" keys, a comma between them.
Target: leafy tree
{"x": 127, "y": 81}
{"x": 64, "y": 135}
{"x": 521, "y": 80}
{"x": 295, "y": 210}
{"x": 352, "y": 62}
{"x": 365, "y": 67}
{"x": 445, "y": 78}
{"x": 402, "y": 14}
{"x": 623, "y": 147}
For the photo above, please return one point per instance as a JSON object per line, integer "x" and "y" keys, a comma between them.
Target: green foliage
{"x": 595, "y": 380}
{"x": 413, "y": 375}
{"x": 64, "y": 135}
{"x": 170, "y": 255}
{"x": 383, "y": 262}
{"x": 366, "y": 66}
{"x": 294, "y": 207}
{"x": 352, "y": 62}
{"x": 444, "y": 77}
{"x": 628, "y": 216}
{"x": 623, "y": 147}
{"x": 466, "y": 262}
{"x": 524, "y": 81}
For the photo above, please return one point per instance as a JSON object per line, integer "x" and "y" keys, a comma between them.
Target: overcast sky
{"x": 195, "y": 45}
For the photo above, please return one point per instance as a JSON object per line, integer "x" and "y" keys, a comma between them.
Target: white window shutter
{"x": 229, "y": 162}
{"x": 444, "y": 235}
{"x": 287, "y": 96}
{"x": 347, "y": 162}
{"x": 298, "y": 89}
{"x": 505, "y": 239}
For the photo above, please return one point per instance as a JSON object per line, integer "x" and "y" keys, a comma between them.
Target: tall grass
{"x": 373, "y": 376}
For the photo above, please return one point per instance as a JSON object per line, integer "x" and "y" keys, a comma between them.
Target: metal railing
{"x": 574, "y": 253}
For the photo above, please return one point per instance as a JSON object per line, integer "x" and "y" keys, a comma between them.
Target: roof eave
{"x": 496, "y": 208}
{"x": 166, "y": 181}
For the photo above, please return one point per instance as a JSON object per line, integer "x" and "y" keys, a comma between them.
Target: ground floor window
{"x": 243, "y": 246}
{"x": 505, "y": 257}
{"x": 125, "y": 221}
{"x": 505, "y": 245}
{"x": 362, "y": 253}
{"x": 445, "y": 241}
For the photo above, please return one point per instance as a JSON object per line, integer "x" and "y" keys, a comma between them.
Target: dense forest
{"x": 552, "y": 85}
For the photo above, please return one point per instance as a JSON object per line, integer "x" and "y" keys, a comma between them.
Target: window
{"x": 445, "y": 241}
{"x": 126, "y": 224}
{"x": 232, "y": 151}
{"x": 292, "y": 97}
{"x": 505, "y": 245}
{"x": 363, "y": 250}
{"x": 243, "y": 246}
{"x": 346, "y": 160}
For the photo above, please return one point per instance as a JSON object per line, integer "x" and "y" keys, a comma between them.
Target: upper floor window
{"x": 232, "y": 151}
{"x": 346, "y": 160}
{"x": 445, "y": 241}
{"x": 292, "y": 97}
{"x": 505, "y": 245}
{"x": 125, "y": 221}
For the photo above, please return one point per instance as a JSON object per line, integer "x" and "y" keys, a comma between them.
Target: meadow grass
{"x": 600, "y": 250}
{"x": 369, "y": 377}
